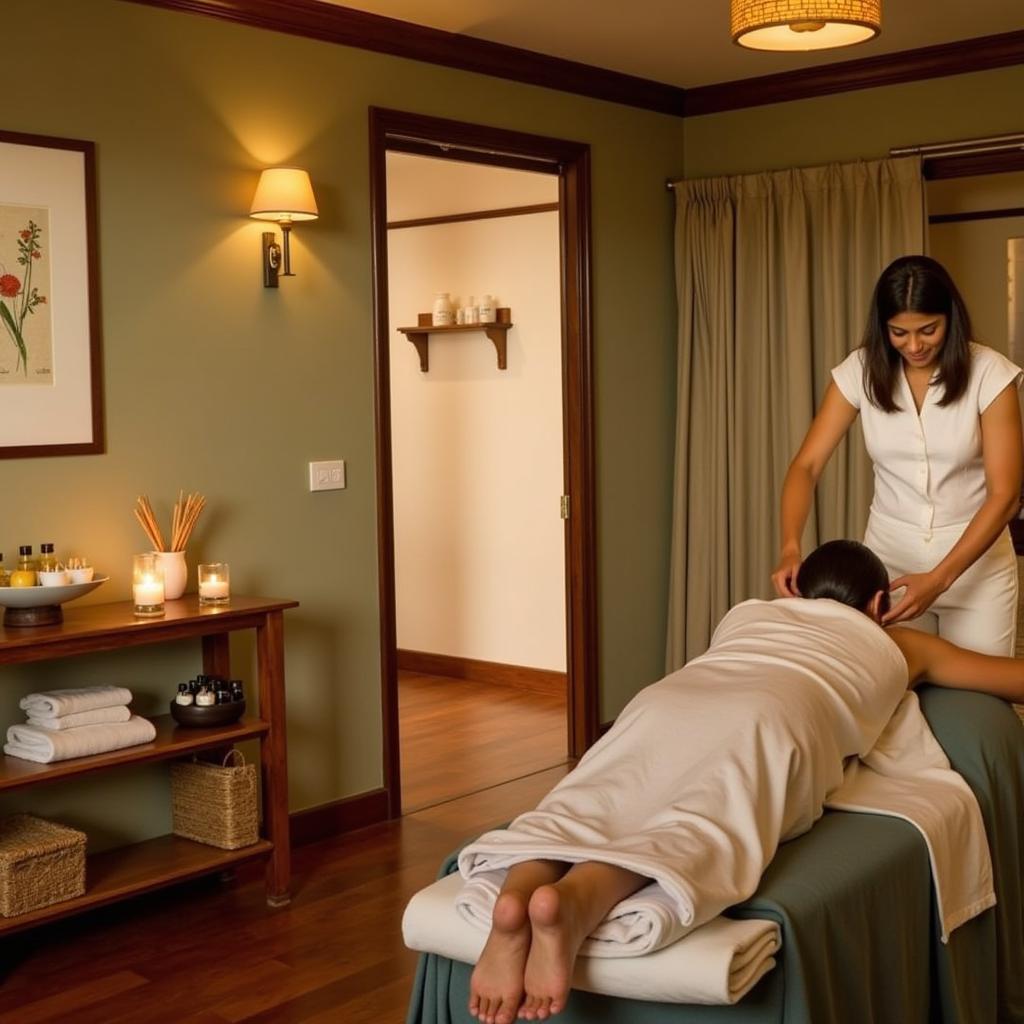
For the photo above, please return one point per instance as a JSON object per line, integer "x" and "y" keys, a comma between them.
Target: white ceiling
{"x": 683, "y": 42}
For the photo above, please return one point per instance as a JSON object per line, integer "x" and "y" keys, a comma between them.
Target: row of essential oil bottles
{"x": 47, "y": 562}
{"x": 206, "y": 691}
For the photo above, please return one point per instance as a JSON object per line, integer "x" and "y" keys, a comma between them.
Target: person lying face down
{"x": 851, "y": 573}
{"x": 548, "y": 907}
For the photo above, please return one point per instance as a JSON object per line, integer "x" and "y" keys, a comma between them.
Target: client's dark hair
{"x": 844, "y": 571}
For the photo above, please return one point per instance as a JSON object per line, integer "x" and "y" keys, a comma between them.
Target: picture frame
{"x": 51, "y": 374}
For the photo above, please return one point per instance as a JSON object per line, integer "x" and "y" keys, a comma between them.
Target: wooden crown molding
{"x": 365, "y": 31}
{"x": 451, "y": 49}
{"x": 982, "y": 54}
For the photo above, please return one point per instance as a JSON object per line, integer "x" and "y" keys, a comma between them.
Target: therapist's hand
{"x": 784, "y": 577}
{"x": 923, "y": 588}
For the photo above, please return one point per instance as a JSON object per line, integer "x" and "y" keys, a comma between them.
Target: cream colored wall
{"x": 975, "y": 251}
{"x": 185, "y": 111}
{"x": 477, "y": 451}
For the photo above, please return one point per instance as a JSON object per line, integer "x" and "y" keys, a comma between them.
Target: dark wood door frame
{"x": 392, "y": 129}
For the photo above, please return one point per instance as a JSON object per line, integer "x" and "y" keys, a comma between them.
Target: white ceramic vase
{"x": 175, "y": 573}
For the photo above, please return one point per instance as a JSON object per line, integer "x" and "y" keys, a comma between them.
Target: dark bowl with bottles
{"x": 196, "y": 716}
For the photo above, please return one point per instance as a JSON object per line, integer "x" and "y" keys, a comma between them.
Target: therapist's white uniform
{"x": 929, "y": 482}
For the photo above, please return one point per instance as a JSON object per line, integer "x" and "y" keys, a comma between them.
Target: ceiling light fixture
{"x": 804, "y": 24}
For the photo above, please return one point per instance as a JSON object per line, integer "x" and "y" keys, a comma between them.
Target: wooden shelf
{"x": 172, "y": 740}
{"x": 496, "y": 330}
{"x": 109, "y": 627}
{"x": 154, "y": 863}
{"x": 133, "y": 870}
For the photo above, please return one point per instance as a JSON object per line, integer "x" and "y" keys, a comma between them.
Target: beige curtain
{"x": 774, "y": 274}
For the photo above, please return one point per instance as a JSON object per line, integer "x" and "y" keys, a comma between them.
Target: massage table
{"x": 854, "y": 901}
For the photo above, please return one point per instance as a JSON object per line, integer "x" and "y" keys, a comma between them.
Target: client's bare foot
{"x": 496, "y": 987}
{"x": 556, "y": 941}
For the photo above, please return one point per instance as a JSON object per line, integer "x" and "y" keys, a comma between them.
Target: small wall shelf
{"x": 496, "y": 330}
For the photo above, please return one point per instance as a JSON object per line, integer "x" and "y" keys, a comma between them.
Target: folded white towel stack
{"x": 718, "y": 963}
{"x": 45, "y": 745}
{"x": 76, "y": 723}
{"x": 97, "y": 716}
{"x": 55, "y": 703}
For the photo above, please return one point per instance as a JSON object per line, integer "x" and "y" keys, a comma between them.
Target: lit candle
{"x": 148, "y": 591}
{"x": 213, "y": 587}
{"x": 147, "y": 585}
{"x": 214, "y": 583}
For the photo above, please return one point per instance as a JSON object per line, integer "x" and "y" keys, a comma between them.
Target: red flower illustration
{"x": 23, "y": 296}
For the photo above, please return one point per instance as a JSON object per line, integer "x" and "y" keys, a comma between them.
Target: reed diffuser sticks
{"x": 183, "y": 520}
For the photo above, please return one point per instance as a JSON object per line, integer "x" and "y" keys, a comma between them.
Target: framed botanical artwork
{"x": 51, "y": 398}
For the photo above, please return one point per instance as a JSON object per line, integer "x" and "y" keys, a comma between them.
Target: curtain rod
{"x": 992, "y": 144}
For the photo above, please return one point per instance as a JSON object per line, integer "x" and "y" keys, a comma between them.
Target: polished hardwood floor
{"x": 211, "y": 951}
{"x": 458, "y": 736}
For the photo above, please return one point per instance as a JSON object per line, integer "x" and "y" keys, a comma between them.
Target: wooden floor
{"x": 459, "y": 736}
{"x": 211, "y": 951}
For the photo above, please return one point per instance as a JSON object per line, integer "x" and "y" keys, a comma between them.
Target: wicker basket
{"x": 215, "y": 804}
{"x": 41, "y": 863}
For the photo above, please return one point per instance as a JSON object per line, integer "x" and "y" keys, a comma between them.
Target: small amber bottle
{"x": 47, "y": 559}
{"x": 5, "y": 576}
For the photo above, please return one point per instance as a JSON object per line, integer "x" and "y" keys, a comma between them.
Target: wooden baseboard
{"x": 537, "y": 680}
{"x": 338, "y": 817}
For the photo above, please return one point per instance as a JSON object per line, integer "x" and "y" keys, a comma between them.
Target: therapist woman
{"x": 942, "y": 426}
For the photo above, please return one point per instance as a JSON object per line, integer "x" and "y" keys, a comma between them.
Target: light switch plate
{"x": 327, "y": 476}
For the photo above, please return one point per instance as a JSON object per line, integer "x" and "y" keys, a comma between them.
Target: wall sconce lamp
{"x": 284, "y": 194}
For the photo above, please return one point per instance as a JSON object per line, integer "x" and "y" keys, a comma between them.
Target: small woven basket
{"x": 41, "y": 862}
{"x": 215, "y": 803}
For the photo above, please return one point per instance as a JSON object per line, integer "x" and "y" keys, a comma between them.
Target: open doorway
{"x": 567, "y": 163}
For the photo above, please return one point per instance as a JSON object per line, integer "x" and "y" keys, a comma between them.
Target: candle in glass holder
{"x": 214, "y": 583}
{"x": 147, "y": 585}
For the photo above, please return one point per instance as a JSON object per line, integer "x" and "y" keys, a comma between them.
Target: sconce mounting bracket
{"x": 271, "y": 259}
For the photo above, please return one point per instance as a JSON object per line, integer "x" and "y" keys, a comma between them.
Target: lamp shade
{"x": 284, "y": 194}
{"x": 804, "y": 24}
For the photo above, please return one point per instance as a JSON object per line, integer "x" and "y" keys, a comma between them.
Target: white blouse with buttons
{"x": 929, "y": 471}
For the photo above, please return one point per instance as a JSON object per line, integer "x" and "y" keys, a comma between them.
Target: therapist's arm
{"x": 834, "y": 419}
{"x": 1002, "y": 454}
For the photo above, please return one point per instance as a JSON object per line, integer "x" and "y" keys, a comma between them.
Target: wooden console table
{"x": 138, "y": 868}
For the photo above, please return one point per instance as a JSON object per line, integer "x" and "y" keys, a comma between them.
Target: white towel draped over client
{"x": 705, "y": 772}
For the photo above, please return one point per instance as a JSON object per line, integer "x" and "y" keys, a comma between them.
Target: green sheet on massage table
{"x": 860, "y": 938}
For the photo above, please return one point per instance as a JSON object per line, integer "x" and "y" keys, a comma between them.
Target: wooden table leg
{"x": 274, "y": 755}
{"x": 217, "y": 662}
{"x": 217, "y": 655}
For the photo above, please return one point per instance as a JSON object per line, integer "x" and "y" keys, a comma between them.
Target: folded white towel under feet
{"x": 717, "y": 963}
{"x": 51, "y": 703}
{"x": 97, "y": 716}
{"x": 44, "y": 745}
{"x": 636, "y": 926}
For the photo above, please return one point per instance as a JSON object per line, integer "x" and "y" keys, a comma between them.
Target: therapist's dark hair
{"x": 846, "y": 571}
{"x": 915, "y": 284}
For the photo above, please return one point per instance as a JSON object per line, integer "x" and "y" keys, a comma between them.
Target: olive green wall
{"x": 854, "y": 125}
{"x": 217, "y": 385}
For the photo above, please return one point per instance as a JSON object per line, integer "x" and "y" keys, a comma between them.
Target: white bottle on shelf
{"x": 444, "y": 312}
{"x": 471, "y": 313}
{"x": 488, "y": 309}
